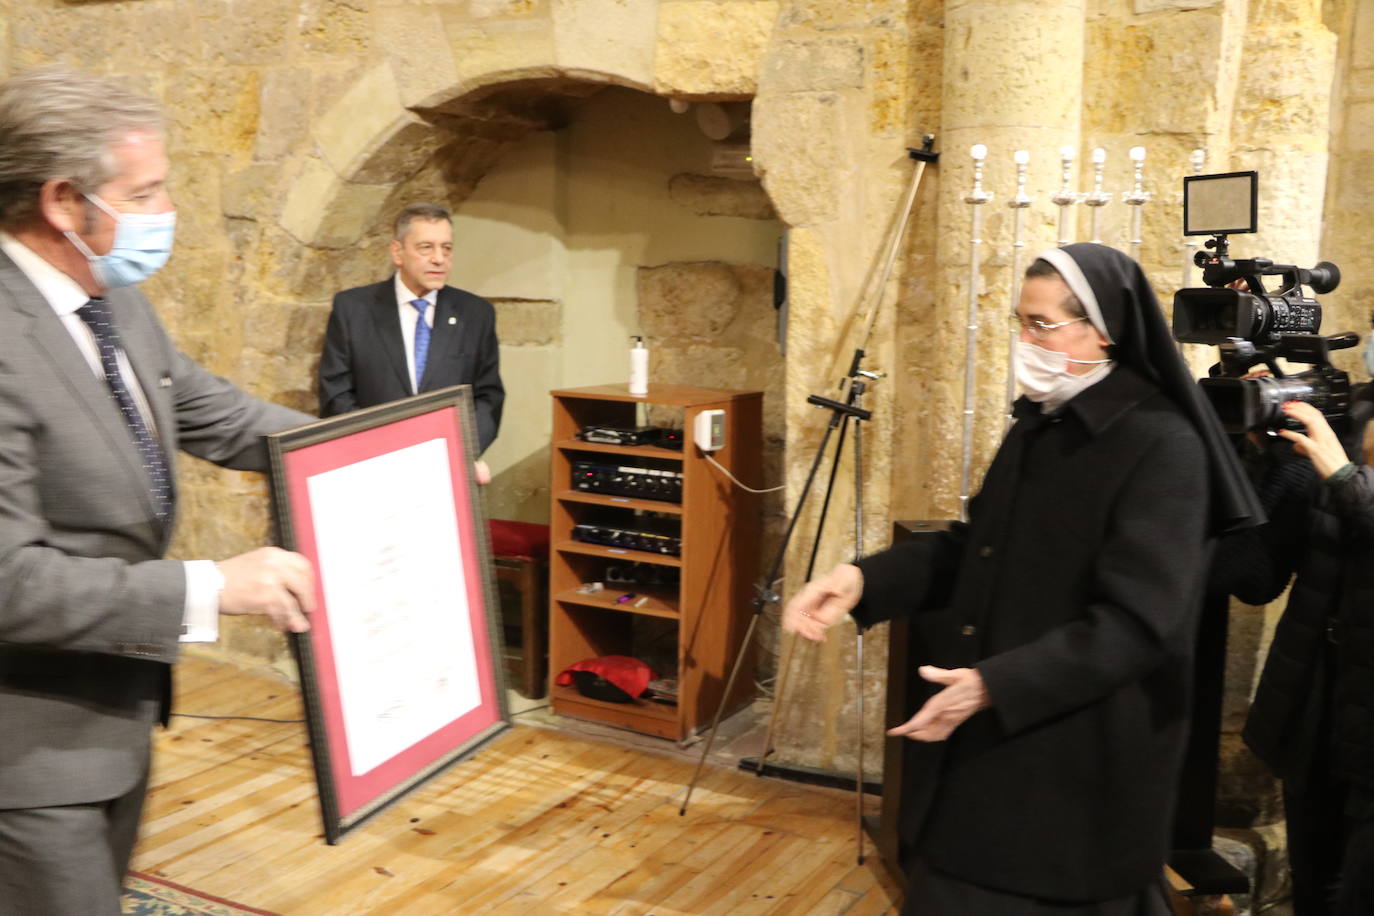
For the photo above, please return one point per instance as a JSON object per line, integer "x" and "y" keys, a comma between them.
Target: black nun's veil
{"x": 1132, "y": 319}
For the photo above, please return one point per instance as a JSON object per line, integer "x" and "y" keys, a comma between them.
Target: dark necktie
{"x": 421, "y": 340}
{"x": 96, "y": 314}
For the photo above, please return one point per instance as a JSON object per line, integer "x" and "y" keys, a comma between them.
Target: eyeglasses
{"x": 1040, "y": 329}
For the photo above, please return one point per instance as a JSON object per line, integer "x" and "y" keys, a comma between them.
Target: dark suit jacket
{"x": 90, "y": 614}
{"x": 364, "y": 359}
{"x": 1075, "y": 591}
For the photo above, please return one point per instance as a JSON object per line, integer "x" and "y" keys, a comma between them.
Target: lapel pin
{"x": 452, "y": 320}
{"x": 165, "y": 382}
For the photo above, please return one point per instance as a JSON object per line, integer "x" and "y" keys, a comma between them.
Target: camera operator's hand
{"x": 823, "y": 601}
{"x": 1320, "y": 445}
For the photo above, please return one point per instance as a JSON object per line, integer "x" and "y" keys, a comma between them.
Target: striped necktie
{"x": 96, "y": 314}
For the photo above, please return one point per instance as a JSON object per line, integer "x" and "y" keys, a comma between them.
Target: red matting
{"x": 356, "y": 792}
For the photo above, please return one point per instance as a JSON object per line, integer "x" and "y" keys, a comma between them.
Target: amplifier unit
{"x": 638, "y": 538}
{"x": 640, "y": 483}
{"x": 620, "y": 435}
{"x": 663, "y": 437}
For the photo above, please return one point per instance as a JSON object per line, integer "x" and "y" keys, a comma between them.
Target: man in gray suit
{"x": 95, "y": 400}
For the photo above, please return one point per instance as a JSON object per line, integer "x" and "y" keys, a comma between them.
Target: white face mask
{"x": 1045, "y": 378}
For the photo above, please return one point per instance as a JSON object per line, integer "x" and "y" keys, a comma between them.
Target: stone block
{"x": 506, "y": 9}
{"x": 700, "y": 364}
{"x": 525, "y": 323}
{"x": 323, "y": 210}
{"x": 212, "y": 111}
{"x": 797, "y": 154}
{"x": 843, "y": 14}
{"x": 607, "y": 37}
{"x": 711, "y": 48}
{"x": 251, "y": 192}
{"x": 407, "y": 32}
{"x": 513, "y": 48}
{"x": 1358, "y": 136}
{"x": 706, "y": 195}
{"x": 687, "y": 300}
{"x": 240, "y": 32}
{"x": 1142, "y": 7}
{"x": 284, "y": 112}
{"x": 814, "y": 65}
{"x": 988, "y": 49}
{"x": 1361, "y": 38}
{"x": 331, "y": 27}
{"x": 368, "y": 137}
{"x": 1285, "y": 85}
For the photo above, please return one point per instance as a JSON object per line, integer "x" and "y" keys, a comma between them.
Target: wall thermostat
{"x": 709, "y": 430}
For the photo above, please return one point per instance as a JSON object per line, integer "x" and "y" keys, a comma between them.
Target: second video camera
{"x": 1252, "y": 326}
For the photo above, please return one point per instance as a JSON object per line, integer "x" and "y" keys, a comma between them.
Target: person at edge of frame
{"x": 1060, "y": 620}
{"x": 1312, "y": 717}
{"x": 95, "y": 400}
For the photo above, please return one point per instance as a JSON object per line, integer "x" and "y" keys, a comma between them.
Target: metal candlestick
{"x": 975, "y": 199}
{"x": 1097, "y": 198}
{"x": 1198, "y": 160}
{"x": 1137, "y": 199}
{"x": 1067, "y": 196}
{"x": 1018, "y": 203}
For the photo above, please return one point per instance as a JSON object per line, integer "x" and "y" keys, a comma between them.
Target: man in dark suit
{"x": 412, "y": 333}
{"x": 95, "y": 400}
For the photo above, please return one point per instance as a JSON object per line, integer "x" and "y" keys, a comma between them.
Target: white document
{"x": 391, "y": 565}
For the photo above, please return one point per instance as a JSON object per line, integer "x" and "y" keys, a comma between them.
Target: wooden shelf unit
{"x": 720, "y": 528}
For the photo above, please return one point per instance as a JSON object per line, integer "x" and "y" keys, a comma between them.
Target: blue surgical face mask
{"x": 142, "y": 244}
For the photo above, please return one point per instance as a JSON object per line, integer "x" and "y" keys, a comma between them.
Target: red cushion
{"x": 518, "y": 539}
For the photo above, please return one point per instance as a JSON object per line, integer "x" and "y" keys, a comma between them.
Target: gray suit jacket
{"x": 90, "y": 613}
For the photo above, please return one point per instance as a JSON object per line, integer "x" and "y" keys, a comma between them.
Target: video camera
{"x": 1253, "y": 326}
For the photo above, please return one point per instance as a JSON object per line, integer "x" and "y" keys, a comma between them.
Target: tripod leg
{"x": 825, "y": 503}
{"x": 766, "y": 596}
{"x": 859, "y": 778}
{"x": 724, "y": 698}
{"x": 859, "y": 633}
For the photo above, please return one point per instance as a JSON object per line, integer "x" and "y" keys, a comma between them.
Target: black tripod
{"x": 843, "y": 415}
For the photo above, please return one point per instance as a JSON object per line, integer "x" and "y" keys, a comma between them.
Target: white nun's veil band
{"x": 1078, "y": 284}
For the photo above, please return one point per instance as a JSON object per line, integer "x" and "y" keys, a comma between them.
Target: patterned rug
{"x": 145, "y": 895}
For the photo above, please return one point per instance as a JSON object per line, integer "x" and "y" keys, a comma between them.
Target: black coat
{"x": 1314, "y": 705}
{"x": 364, "y": 358}
{"x": 1074, "y": 590}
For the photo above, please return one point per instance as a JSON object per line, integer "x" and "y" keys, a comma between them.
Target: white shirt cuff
{"x": 200, "y": 617}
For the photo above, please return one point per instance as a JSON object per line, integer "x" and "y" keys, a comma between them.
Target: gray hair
{"x": 428, "y": 212}
{"x": 57, "y": 123}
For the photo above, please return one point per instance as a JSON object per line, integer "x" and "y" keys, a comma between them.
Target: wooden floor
{"x": 538, "y": 822}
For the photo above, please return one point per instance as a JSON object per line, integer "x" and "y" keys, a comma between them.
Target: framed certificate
{"x": 400, "y": 670}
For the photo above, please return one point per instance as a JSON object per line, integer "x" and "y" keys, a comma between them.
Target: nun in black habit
{"x": 1059, "y": 622}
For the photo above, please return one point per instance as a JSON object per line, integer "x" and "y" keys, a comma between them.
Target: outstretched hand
{"x": 964, "y": 694}
{"x": 823, "y": 601}
{"x": 1321, "y": 446}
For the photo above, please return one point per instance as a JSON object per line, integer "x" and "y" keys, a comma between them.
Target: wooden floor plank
{"x": 538, "y": 822}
